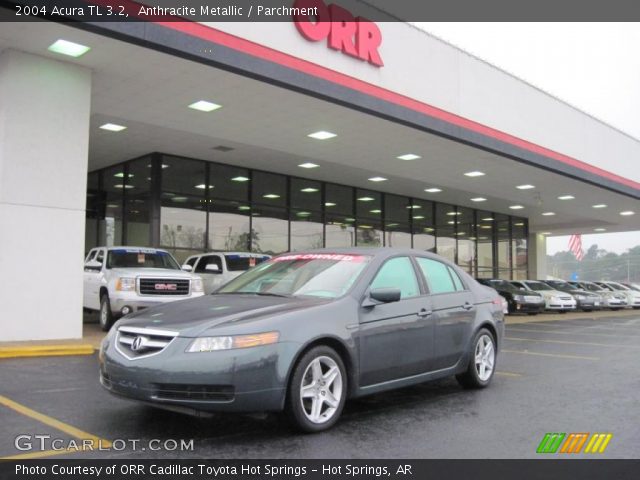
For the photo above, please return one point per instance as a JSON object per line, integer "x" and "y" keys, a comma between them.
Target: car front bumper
{"x": 239, "y": 380}
{"x": 137, "y": 302}
{"x": 525, "y": 306}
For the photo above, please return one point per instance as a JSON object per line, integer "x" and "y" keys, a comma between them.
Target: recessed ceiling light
{"x": 180, "y": 199}
{"x": 71, "y": 49}
{"x": 474, "y": 173}
{"x": 392, "y": 224}
{"x": 479, "y": 199}
{"x": 112, "y": 205}
{"x": 599, "y": 229}
{"x": 240, "y": 179}
{"x": 303, "y": 214}
{"x": 486, "y": 227}
{"x": 451, "y": 222}
{"x": 488, "y": 219}
{"x": 566, "y": 197}
{"x": 308, "y": 165}
{"x": 377, "y": 179}
{"x": 375, "y": 211}
{"x": 113, "y": 127}
{"x": 202, "y": 186}
{"x": 414, "y": 206}
{"x": 271, "y": 195}
{"x": 309, "y": 190}
{"x": 408, "y": 156}
{"x": 329, "y": 204}
{"x": 432, "y": 190}
{"x": 418, "y": 217}
{"x": 120, "y": 185}
{"x": 459, "y": 233}
{"x": 525, "y": 187}
{"x": 546, "y": 233}
{"x": 204, "y": 106}
{"x": 516, "y": 207}
{"x": 600, "y": 205}
{"x": 244, "y": 207}
{"x": 322, "y": 135}
{"x": 164, "y": 165}
{"x": 428, "y": 229}
{"x": 519, "y": 224}
{"x": 453, "y": 214}
{"x": 626, "y": 213}
{"x": 548, "y": 214}
{"x": 121, "y": 175}
{"x": 365, "y": 226}
{"x": 366, "y": 199}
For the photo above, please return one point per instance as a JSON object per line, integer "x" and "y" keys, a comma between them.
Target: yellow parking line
{"x": 558, "y": 332}
{"x": 57, "y": 424}
{"x": 564, "y": 342}
{"x": 509, "y": 374}
{"x": 555, "y": 355}
{"x": 45, "y": 350}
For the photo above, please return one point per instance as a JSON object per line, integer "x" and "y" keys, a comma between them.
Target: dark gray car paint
{"x": 384, "y": 346}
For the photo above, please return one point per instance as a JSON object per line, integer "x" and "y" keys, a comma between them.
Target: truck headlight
{"x": 211, "y": 344}
{"x": 196, "y": 285}
{"x": 125, "y": 284}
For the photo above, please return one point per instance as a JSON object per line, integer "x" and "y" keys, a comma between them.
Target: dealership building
{"x": 272, "y": 137}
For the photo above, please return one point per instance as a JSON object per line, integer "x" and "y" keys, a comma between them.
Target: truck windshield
{"x": 242, "y": 262}
{"x": 140, "y": 258}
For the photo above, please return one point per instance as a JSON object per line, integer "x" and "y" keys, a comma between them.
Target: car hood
{"x": 192, "y": 317}
{"x": 151, "y": 272}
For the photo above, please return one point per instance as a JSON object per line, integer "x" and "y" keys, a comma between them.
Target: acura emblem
{"x": 138, "y": 343}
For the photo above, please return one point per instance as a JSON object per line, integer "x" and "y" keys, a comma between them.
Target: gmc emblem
{"x": 356, "y": 37}
{"x": 166, "y": 286}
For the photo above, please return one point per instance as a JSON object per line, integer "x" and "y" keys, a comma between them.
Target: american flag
{"x": 575, "y": 245}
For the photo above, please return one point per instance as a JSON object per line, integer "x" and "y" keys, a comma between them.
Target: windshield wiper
{"x": 262, "y": 294}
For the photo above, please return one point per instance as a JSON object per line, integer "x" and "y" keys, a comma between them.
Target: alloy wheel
{"x": 485, "y": 357}
{"x": 321, "y": 389}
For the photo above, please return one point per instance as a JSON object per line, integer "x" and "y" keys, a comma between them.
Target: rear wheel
{"x": 483, "y": 361}
{"x": 317, "y": 390}
{"x": 106, "y": 317}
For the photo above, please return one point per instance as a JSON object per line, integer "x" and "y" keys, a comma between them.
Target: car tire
{"x": 480, "y": 360}
{"x": 532, "y": 313}
{"x": 317, "y": 390}
{"x": 105, "y": 315}
{"x": 636, "y": 308}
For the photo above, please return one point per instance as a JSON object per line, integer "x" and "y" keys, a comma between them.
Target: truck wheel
{"x": 106, "y": 317}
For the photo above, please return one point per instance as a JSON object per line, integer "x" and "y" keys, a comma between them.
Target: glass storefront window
{"x": 138, "y": 202}
{"x": 368, "y": 205}
{"x": 229, "y": 183}
{"x": 484, "y": 228}
{"x": 306, "y": 195}
{"x": 519, "y": 249}
{"x": 229, "y": 226}
{"x": 466, "y": 237}
{"x": 503, "y": 237}
{"x": 306, "y": 230}
{"x": 340, "y": 231}
{"x": 338, "y": 200}
{"x": 269, "y": 189}
{"x": 114, "y": 185}
{"x": 446, "y": 228}
{"x": 423, "y": 225}
{"x": 369, "y": 234}
{"x": 270, "y": 231}
{"x": 95, "y": 204}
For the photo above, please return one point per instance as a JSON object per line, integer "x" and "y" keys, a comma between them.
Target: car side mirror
{"x": 382, "y": 295}
{"x": 212, "y": 268}
{"x": 187, "y": 268}
{"x": 93, "y": 265}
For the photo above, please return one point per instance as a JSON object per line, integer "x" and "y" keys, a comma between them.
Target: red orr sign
{"x": 354, "y": 36}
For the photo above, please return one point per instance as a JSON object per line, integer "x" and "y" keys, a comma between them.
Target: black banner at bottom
{"x": 543, "y": 468}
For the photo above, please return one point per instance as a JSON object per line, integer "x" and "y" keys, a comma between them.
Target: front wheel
{"x": 317, "y": 390}
{"x": 483, "y": 361}
{"x": 106, "y": 317}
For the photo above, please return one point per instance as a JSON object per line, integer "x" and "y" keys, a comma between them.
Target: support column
{"x": 44, "y": 141}
{"x": 537, "y": 256}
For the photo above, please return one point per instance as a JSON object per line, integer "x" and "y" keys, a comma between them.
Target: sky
{"x": 593, "y": 66}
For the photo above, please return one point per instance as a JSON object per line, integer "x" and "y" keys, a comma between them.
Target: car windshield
{"x": 140, "y": 258}
{"x": 618, "y": 286}
{"x": 502, "y": 285}
{"x": 560, "y": 285}
{"x": 240, "y": 262}
{"x": 538, "y": 286}
{"x": 592, "y": 287}
{"x": 320, "y": 275}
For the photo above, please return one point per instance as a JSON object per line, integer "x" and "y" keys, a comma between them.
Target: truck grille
{"x": 133, "y": 342}
{"x": 194, "y": 393}
{"x": 163, "y": 286}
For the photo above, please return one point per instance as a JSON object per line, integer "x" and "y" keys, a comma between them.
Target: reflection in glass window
{"x": 369, "y": 234}
{"x": 437, "y": 275}
{"x": 446, "y": 218}
{"x": 229, "y": 226}
{"x": 182, "y": 227}
{"x": 340, "y": 231}
{"x": 306, "y": 230}
{"x": 397, "y": 273}
{"x": 269, "y": 189}
{"x": 270, "y": 232}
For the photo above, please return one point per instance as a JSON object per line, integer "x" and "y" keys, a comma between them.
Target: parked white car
{"x": 554, "y": 299}
{"x": 218, "y": 268}
{"x": 122, "y": 280}
{"x": 632, "y": 296}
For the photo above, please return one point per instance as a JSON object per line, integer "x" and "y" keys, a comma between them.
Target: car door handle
{"x": 424, "y": 313}
{"x": 467, "y": 306}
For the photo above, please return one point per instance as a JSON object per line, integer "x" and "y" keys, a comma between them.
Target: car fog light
{"x": 126, "y": 310}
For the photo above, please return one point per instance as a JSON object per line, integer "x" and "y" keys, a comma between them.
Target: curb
{"x": 46, "y": 350}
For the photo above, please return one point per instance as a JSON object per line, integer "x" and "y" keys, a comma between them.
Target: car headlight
{"x": 125, "y": 284}
{"x": 212, "y": 344}
{"x": 580, "y": 297}
{"x": 196, "y": 285}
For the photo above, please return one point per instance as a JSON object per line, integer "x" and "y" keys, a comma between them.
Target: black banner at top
{"x": 318, "y": 10}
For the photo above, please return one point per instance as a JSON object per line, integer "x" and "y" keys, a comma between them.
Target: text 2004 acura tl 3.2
{"x": 305, "y": 331}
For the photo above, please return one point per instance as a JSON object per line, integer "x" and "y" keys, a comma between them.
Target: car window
{"x": 519, "y": 285}
{"x": 100, "y": 256}
{"x": 456, "y": 279}
{"x": 398, "y": 273}
{"x": 90, "y": 256}
{"x": 208, "y": 260}
{"x": 438, "y": 276}
{"x": 242, "y": 262}
{"x": 191, "y": 261}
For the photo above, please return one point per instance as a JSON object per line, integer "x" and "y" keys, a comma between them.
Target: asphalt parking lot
{"x": 573, "y": 375}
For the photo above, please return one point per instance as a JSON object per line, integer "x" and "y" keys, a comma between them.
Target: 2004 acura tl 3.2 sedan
{"x": 305, "y": 331}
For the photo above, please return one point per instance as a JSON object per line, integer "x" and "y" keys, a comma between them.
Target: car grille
{"x": 532, "y": 299}
{"x": 566, "y": 298}
{"x": 194, "y": 393}
{"x": 163, "y": 286}
{"x": 133, "y": 342}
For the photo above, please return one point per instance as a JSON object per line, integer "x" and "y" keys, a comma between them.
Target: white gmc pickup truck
{"x": 121, "y": 280}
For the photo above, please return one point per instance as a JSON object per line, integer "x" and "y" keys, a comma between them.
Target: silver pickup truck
{"x": 121, "y": 280}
